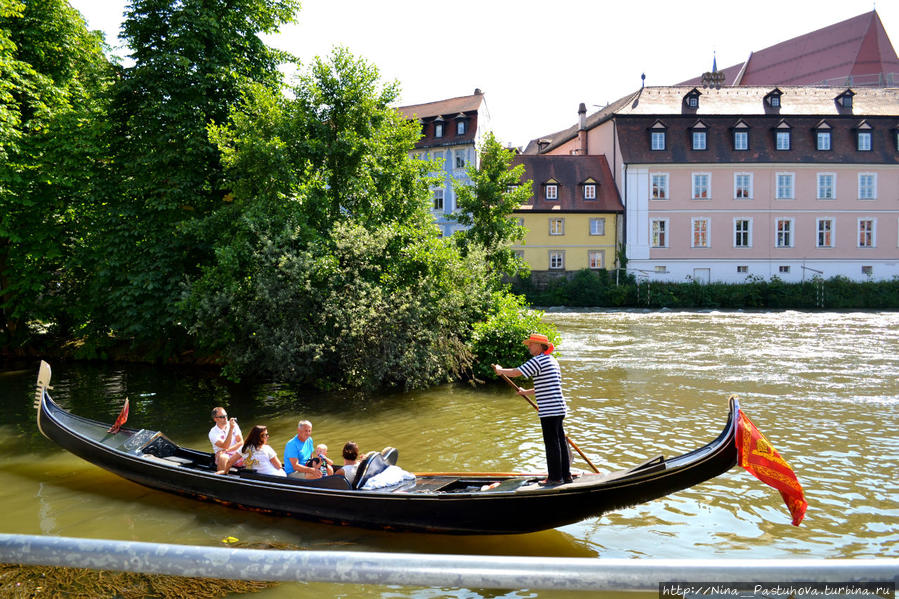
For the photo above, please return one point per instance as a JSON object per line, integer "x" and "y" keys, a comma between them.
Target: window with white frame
{"x": 741, "y": 139}
{"x": 783, "y": 230}
{"x": 864, "y": 141}
{"x": 699, "y": 140}
{"x": 867, "y": 186}
{"x": 438, "y": 158}
{"x": 659, "y": 232}
{"x": 742, "y": 186}
{"x": 460, "y": 156}
{"x": 742, "y": 232}
{"x": 657, "y": 140}
{"x": 743, "y": 268}
{"x": 598, "y": 226}
{"x": 866, "y": 233}
{"x": 557, "y": 226}
{"x": 784, "y": 186}
{"x": 438, "y": 129}
{"x": 659, "y": 189}
{"x": 700, "y": 228}
{"x": 556, "y": 259}
{"x": 824, "y": 237}
{"x": 701, "y": 186}
{"x": 596, "y": 259}
{"x": 782, "y": 139}
{"x": 823, "y": 140}
{"x": 783, "y": 269}
{"x": 826, "y": 186}
{"x": 589, "y": 191}
{"x": 438, "y": 199}
{"x": 552, "y": 191}
{"x": 460, "y": 127}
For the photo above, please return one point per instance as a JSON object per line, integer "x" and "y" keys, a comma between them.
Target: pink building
{"x": 725, "y": 184}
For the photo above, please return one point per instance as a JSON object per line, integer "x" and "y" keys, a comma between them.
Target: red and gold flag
{"x": 759, "y": 457}
{"x": 123, "y": 416}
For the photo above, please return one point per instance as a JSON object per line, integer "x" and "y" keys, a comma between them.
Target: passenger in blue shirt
{"x": 298, "y": 450}
{"x": 551, "y": 408}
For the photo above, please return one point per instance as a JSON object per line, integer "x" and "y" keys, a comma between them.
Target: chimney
{"x": 582, "y": 130}
{"x": 478, "y": 92}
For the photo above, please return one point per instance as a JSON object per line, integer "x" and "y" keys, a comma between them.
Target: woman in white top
{"x": 257, "y": 454}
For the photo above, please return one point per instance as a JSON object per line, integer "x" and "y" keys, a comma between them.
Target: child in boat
{"x": 321, "y": 461}
{"x": 257, "y": 454}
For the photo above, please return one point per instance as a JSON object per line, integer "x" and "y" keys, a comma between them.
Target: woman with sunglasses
{"x": 257, "y": 454}
{"x": 225, "y": 437}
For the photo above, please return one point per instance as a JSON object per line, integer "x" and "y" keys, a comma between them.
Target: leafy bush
{"x": 498, "y": 339}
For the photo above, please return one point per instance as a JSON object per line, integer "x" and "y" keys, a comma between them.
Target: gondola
{"x": 458, "y": 503}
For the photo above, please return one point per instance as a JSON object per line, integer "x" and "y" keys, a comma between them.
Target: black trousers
{"x": 558, "y": 463}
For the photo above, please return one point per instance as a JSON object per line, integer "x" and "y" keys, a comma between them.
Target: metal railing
{"x": 409, "y": 569}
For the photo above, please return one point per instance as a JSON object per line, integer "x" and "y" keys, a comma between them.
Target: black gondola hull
{"x": 435, "y": 503}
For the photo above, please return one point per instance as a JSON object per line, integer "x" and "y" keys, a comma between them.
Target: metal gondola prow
{"x": 43, "y": 385}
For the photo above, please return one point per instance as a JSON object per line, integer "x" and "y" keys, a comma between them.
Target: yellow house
{"x": 573, "y": 215}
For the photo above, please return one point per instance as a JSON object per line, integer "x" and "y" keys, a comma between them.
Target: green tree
{"x": 329, "y": 268}
{"x": 191, "y": 58}
{"x": 486, "y": 205}
{"x": 53, "y": 115}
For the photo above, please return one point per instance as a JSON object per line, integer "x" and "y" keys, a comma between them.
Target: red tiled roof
{"x": 858, "y": 47}
{"x": 570, "y": 172}
{"x": 452, "y": 106}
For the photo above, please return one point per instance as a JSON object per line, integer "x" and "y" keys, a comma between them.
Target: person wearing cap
{"x": 544, "y": 369}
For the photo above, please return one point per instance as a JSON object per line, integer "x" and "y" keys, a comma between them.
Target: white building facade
{"x": 451, "y": 133}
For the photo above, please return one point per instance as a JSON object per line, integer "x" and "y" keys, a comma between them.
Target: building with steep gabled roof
{"x": 451, "y": 131}
{"x": 855, "y": 52}
{"x": 572, "y": 219}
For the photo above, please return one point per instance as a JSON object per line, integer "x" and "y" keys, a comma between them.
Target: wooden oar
{"x": 567, "y": 438}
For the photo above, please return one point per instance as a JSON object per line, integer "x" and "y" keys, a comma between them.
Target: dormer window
{"x": 552, "y": 189}
{"x": 782, "y": 136}
{"x": 845, "y": 99}
{"x": 772, "y": 98}
{"x": 863, "y": 137}
{"x": 691, "y": 100}
{"x": 741, "y": 136}
{"x": 438, "y": 127}
{"x": 823, "y": 137}
{"x": 698, "y": 133}
{"x": 590, "y": 189}
{"x": 461, "y": 124}
{"x": 657, "y": 136}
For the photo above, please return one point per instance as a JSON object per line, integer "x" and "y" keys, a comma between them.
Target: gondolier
{"x": 544, "y": 369}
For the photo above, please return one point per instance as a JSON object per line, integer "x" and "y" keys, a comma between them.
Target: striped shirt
{"x": 544, "y": 369}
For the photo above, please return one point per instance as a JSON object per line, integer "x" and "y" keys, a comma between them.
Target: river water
{"x": 822, "y": 386}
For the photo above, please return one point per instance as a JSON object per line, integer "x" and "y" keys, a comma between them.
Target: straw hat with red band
{"x": 543, "y": 339}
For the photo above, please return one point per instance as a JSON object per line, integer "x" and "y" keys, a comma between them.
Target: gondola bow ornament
{"x": 756, "y": 454}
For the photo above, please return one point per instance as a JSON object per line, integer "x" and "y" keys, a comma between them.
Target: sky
{"x": 536, "y": 61}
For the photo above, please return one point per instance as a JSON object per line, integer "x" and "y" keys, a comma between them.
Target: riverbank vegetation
{"x": 191, "y": 207}
{"x": 611, "y": 289}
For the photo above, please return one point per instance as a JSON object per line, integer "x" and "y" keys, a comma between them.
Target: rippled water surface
{"x": 822, "y": 387}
